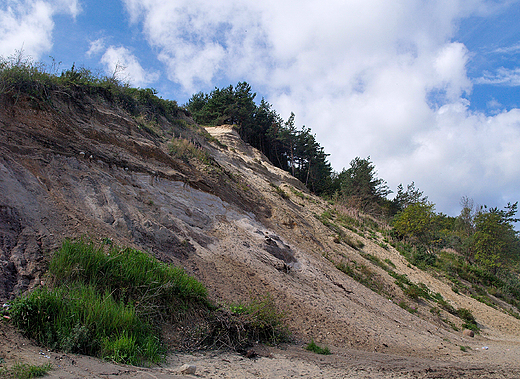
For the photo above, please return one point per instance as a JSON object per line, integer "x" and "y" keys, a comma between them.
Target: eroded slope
{"x": 240, "y": 225}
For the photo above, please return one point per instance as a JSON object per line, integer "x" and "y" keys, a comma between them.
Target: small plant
{"x": 246, "y": 323}
{"x": 299, "y": 194}
{"x": 389, "y": 262}
{"x": 464, "y": 348}
{"x": 383, "y": 245}
{"x": 445, "y": 305}
{"x": 280, "y": 191}
{"x": 469, "y": 319}
{"x": 312, "y": 346}
{"x": 354, "y": 243}
{"x": 103, "y": 300}
{"x": 25, "y": 371}
{"x": 185, "y": 150}
{"x": 406, "y": 307}
{"x": 455, "y": 289}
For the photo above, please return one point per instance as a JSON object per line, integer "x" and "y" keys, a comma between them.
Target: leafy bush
{"x": 422, "y": 258}
{"x": 468, "y": 318}
{"x": 264, "y": 319}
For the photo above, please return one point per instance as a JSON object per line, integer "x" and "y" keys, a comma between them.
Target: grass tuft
{"x": 111, "y": 302}
{"x": 312, "y": 346}
{"x": 25, "y": 371}
{"x": 104, "y": 301}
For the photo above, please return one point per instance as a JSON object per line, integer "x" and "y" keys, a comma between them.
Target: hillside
{"x": 79, "y": 164}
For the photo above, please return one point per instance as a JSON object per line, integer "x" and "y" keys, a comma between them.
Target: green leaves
{"x": 360, "y": 185}
{"x": 286, "y": 146}
{"x": 495, "y": 239}
{"x": 415, "y": 222}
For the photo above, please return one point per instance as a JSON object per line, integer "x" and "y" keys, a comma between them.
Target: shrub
{"x": 280, "y": 191}
{"x": 468, "y": 318}
{"x": 312, "y": 346}
{"x": 104, "y": 301}
{"x": 25, "y": 371}
{"x": 184, "y": 150}
{"x": 264, "y": 319}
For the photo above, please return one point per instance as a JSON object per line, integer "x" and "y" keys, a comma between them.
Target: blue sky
{"x": 430, "y": 90}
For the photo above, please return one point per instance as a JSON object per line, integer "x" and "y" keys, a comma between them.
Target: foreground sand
{"x": 499, "y": 360}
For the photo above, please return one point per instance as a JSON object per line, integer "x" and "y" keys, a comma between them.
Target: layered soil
{"x": 238, "y": 224}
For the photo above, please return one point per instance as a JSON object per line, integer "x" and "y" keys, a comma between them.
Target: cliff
{"x": 203, "y": 199}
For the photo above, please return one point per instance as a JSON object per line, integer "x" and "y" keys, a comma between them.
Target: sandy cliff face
{"x": 83, "y": 166}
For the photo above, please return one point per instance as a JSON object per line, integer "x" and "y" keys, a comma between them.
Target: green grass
{"x": 111, "y": 302}
{"x": 469, "y": 319}
{"x": 104, "y": 301}
{"x": 25, "y": 371}
{"x": 128, "y": 274}
{"x": 265, "y": 320}
{"x": 312, "y": 346}
{"x": 364, "y": 275}
{"x": 21, "y": 77}
{"x": 280, "y": 191}
{"x": 184, "y": 150}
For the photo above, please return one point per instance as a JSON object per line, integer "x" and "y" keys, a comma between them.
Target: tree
{"x": 293, "y": 150}
{"x": 361, "y": 186}
{"x": 411, "y": 196}
{"x": 495, "y": 239}
{"x": 416, "y": 223}
{"x": 288, "y": 136}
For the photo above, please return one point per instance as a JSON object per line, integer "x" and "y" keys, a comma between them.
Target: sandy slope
{"x": 230, "y": 228}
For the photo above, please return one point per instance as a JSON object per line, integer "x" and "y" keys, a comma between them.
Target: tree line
{"x": 293, "y": 149}
{"x": 485, "y": 236}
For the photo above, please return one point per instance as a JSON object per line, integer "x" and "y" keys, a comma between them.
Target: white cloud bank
{"x": 370, "y": 77}
{"x": 28, "y": 24}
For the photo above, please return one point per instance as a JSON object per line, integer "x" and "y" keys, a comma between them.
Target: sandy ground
{"x": 290, "y": 361}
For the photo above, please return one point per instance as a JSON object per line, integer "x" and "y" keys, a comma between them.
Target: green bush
{"x": 104, "y": 300}
{"x": 263, "y": 319}
{"x": 312, "y": 346}
{"x": 468, "y": 318}
{"x": 25, "y": 371}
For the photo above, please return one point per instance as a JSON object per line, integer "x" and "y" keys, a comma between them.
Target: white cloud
{"x": 122, "y": 64}
{"x": 96, "y": 47}
{"x": 503, "y": 76}
{"x": 28, "y": 24}
{"x": 370, "y": 77}
{"x": 513, "y": 49}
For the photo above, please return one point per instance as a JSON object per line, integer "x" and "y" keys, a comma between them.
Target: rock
{"x": 468, "y": 333}
{"x": 188, "y": 369}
